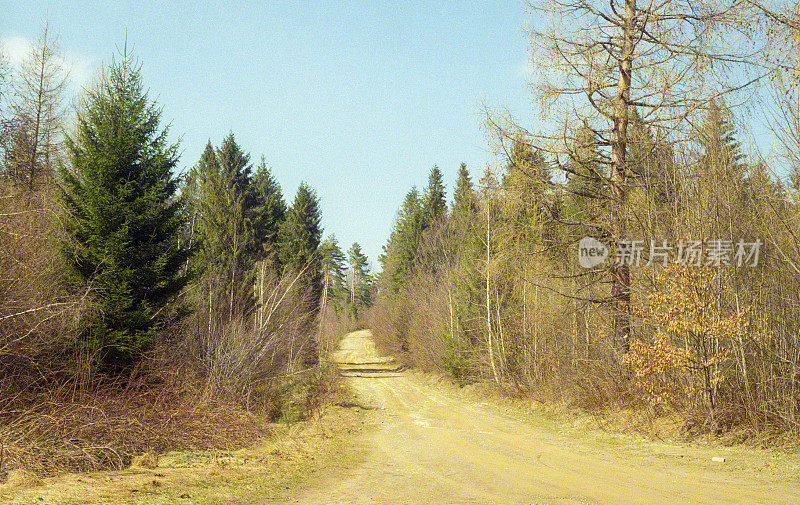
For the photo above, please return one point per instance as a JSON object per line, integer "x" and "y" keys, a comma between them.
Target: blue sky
{"x": 359, "y": 99}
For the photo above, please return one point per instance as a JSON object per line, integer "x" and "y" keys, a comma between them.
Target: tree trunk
{"x": 621, "y": 280}
{"x": 490, "y": 344}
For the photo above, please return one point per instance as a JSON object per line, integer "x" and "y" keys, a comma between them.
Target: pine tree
{"x": 124, "y": 223}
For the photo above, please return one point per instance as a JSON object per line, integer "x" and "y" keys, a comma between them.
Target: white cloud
{"x": 15, "y": 49}
{"x": 79, "y": 66}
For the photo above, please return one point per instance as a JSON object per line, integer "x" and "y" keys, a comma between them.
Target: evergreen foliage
{"x": 434, "y": 201}
{"x": 301, "y": 232}
{"x": 333, "y": 264}
{"x": 225, "y": 260}
{"x": 124, "y": 221}
{"x": 584, "y": 183}
{"x": 464, "y": 195}
{"x": 268, "y": 212}
{"x": 401, "y": 250}
{"x": 360, "y": 280}
{"x": 722, "y": 156}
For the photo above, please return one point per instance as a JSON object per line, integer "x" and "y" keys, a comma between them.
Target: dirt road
{"x": 430, "y": 446}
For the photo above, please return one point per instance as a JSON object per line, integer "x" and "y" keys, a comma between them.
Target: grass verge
{"x": 295, "y": 457}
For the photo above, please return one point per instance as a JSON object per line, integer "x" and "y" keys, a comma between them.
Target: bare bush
{"x": 106, "y": 428}
{"x": 242, "y": 353}
{"x": 37, "y": 315}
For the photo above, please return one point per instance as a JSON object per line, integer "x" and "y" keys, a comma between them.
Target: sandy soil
{"x": 430, "y": 445}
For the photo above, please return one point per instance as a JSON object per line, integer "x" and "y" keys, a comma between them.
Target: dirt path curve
{"x": 430, "y": 447}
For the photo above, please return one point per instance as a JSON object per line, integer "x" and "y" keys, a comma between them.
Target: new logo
{"x": 591, "y": 252}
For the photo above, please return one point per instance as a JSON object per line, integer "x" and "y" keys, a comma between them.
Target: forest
{"x": 142, "y": 309}
{"x": 633, "y": 247}
{"x": 646, "y": 153}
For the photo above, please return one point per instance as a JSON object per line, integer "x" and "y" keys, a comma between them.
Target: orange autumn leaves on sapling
{"x": 692, "y": 336}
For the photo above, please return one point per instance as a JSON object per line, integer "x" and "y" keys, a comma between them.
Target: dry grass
{"x": 106, "y": 428}
{"x": 293, "y": 458}
{"x": 55, "y": 417}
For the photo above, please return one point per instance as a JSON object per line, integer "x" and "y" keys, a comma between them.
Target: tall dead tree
{"x": 38, "y": 111}
{"x": 5, "y": 79}
{"x": 594, "y": 62}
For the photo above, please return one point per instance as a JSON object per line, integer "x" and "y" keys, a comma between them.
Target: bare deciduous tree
{"x": 38, "y": 111}
{"x": 597, "y": 62}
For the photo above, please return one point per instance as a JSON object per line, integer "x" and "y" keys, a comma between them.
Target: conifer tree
{"x": 720, "y": 185}
{"x": 584, "y": 184}
{"x": 224, "y": 175}
{"x": 268, "y": 212}
{"x": 434, "y": 199}
{"x": 360, "y": 279}
{"x": 124, "y": 223}
{"x": 526, "y": 180}
{"x": 300, "y": 237}
{"x": 653, "y": 179}
{"x": 38, "y": 111}
{"x": 301, "y": 231}
{"x": 405, "y": 239}
{"x": 332, "y": 262}
{"x": 464, "y": 194}
{"x": 722, "y": 156}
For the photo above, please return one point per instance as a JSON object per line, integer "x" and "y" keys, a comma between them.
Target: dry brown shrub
{"x": 36, "y": 313}
{"x": 106, "y": 428}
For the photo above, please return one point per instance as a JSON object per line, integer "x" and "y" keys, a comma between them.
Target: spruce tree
{"x": 124, "y": 223}
{"x": 332, "y": 263}
{"x": 268, "y": 212}
{"x": 360, "y": 279}
{"x": 300, "y": 237}
{"x": 584, "y": 184}
{"x": 721, "y": 183}
{"x": 722, "y": 156}
{"x": 405, "y": 239}
{"x": 301, "y": 231}
{"x": 434, "y": 199}
{"x": 653, "y": 178}
{"x": 464, "y": 195}
{"x": 224, "y": 201}
{"x": 526, "y": 201}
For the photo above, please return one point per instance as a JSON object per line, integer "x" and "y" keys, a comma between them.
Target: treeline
{"x": 695, "y": 312}
{"x": 141, "y": 309}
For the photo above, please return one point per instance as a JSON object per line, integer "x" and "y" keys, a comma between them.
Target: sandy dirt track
{"x": 429, "y": 446}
